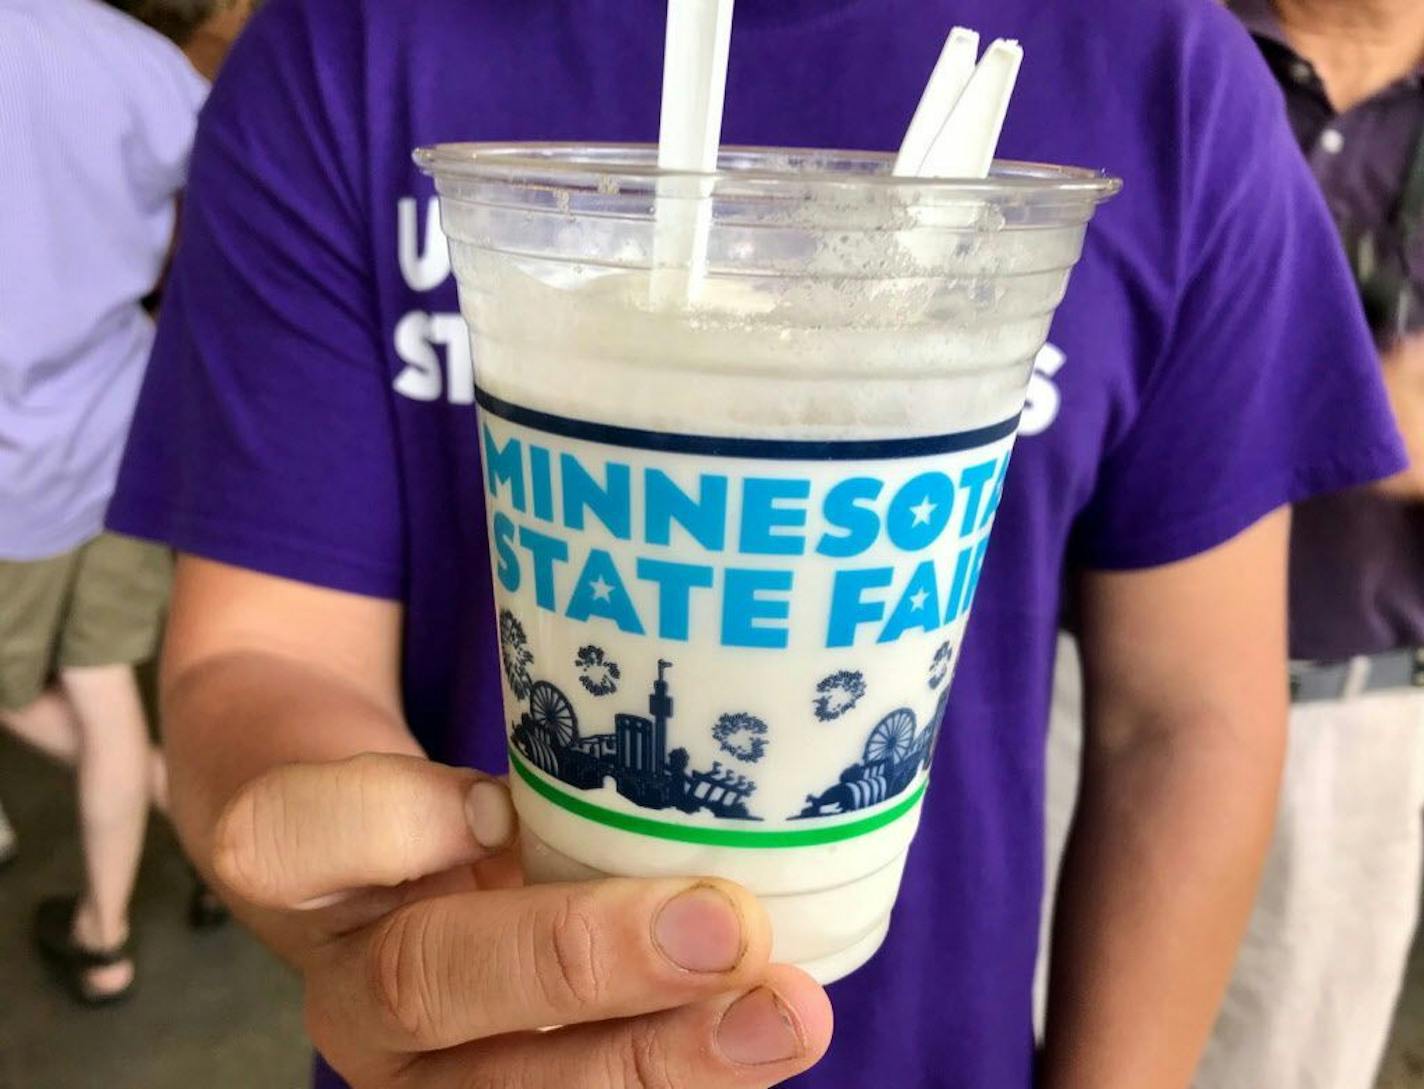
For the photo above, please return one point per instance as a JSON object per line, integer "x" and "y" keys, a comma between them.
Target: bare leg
{"x": 50, "y": 725}
{"x": 114, "y": 772}
{"x": 157, "y": 780}
{"x": 47, "y": 724}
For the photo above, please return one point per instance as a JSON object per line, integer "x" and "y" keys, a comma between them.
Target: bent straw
{"x": 946, "y": 83}
{"x": 970, "y": 135}
{"x": 694, "y": 89}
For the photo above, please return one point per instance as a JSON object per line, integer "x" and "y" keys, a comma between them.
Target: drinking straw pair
{"x": 953, "y": 133}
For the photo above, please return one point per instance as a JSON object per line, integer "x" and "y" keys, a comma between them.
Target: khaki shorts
{"x": 102, "y": 604}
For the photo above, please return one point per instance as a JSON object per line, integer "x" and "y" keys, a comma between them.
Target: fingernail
{"x": 490, "y": 814}
{"x": 700, "y": 930}
{"x": 758, "y": 1029}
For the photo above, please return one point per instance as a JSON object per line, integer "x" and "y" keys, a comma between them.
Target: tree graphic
{"x": 515, "y": 654}
{"x": 597, "y": 673}
{"x": 741, "y": 735}
{"x": 838, "y": 693}
{"x": 939, "y": 666}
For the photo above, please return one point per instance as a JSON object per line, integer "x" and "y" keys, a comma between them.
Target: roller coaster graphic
{"x": 634, "y": 755}
{"x": 894, "y": 754}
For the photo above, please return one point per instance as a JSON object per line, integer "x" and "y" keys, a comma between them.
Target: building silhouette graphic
{"x": 634, "y": 755}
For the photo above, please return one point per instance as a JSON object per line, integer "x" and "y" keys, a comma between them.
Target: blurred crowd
{"x": 99, "y": 106}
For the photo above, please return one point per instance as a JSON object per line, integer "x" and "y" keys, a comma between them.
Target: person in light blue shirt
{"x": 97, "y": 114}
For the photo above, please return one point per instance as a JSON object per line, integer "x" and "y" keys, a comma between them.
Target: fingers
{"x": 443, "y": 972}
{"x": 745, "y": 1040}
{"x": 304, "y": 834}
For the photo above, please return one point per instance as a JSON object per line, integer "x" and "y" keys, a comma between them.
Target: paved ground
{"x": 214, "y": 1011}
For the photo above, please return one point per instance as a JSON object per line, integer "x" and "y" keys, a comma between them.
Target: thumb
{"x": 302, "y": 834}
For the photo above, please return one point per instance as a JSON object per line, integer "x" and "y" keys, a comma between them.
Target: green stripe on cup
{"x": 712, "y": 837}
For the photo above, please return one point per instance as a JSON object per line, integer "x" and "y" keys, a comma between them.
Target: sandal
{"x": 9, "y": 844}
{"x": 72, "y": 962}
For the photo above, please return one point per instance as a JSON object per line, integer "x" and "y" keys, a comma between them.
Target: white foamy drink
{"x": 735, "y": 541}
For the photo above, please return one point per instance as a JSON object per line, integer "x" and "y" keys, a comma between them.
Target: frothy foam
{"x": 811, "y": 357}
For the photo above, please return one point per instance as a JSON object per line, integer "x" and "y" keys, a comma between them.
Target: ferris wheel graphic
{"x": 892, "y": 758}
{"x": 892, "y": 738}
{"x": 551, "y": 709}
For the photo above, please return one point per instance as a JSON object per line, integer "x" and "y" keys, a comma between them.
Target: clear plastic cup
{"x": 736, "y": 537}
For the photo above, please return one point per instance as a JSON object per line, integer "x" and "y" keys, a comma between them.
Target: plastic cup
{"x": 735, "y": 539}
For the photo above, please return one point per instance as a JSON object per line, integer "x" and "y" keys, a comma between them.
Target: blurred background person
{"x": 97, "y": 114}
{"x": 1321, "y": 969}
{"x": 1320, "y": 972}
{"x": 203, "y": 29}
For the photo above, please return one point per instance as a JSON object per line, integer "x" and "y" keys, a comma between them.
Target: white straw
{"x": 946, "y": 83}
{"x": 694, "y": 88}
{"x": 966, "y": 143}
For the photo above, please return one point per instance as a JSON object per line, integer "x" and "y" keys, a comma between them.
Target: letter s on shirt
{"x": 1044, "y": 399}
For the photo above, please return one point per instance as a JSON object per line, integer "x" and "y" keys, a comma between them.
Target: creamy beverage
{"x": 736, "y": 539}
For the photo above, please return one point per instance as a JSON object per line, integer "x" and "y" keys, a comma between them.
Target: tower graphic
{"x": 634, "y": 755}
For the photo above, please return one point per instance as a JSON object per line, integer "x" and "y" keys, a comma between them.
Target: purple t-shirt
{"x": 308, "y": 411}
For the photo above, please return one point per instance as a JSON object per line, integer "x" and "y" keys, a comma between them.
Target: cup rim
{"x": 634, "y": 166}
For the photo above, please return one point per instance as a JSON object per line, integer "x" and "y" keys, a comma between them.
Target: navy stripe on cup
{"x": 728, "y": 447}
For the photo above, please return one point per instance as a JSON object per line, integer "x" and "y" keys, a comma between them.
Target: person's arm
{"x": 300, "y": 793}
{"x": 1186, "y": 706}
{"x": 259, "y": 672}
{"x": 1404, "y": 381}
